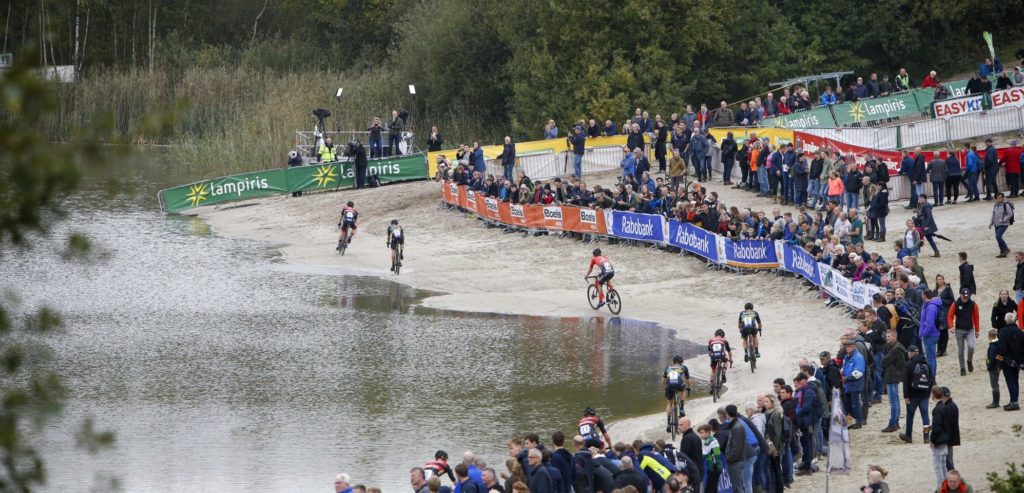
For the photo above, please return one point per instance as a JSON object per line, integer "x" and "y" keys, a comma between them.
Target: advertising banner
{"x": 471, "y": 200}
{"x": 776, "y": 136}
{"x": 640, "y": 227}
{"x": 811, "y": 143}
{"x": 489, "y": 209}
{"x": 749, "y": 254}
{"x": 960, "y": 106}
{"x": 513, "y": 214}
{"x": 327, "y": 176}
{"x": 583, "y": 220}
{"x": 798, "y": 261}
{"x": 693, "y": 239}
{"x": 226, "y": 189}
{"x": 869, "y": 110}
{"x": 1013, "y": 97}
{"x": 552, "y": 217}
{"x": 451, "y": 192}
{"x": 816, "y": 118}
{"x": 390, "y": 170}
{"x": 836, "y": 285}
{"x": 462, "y": 197}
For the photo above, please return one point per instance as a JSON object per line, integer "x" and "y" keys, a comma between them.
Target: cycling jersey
{"x": 718, "y": 349}
{"x": 676, "y": 376}
{"x": 749, "y": 321}
{"x": 591, "y": 428}
{"x": 437, "y": 467}
{"x": 602, "y": 262}
{"x": 349, "y": 216}
{"x": 396, "y": 235}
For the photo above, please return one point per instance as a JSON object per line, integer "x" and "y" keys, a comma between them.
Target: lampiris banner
{"x": 323, "y": 176}
{"x": 868, "y": 110}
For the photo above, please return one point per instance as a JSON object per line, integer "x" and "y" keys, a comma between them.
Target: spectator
{"x": 987, "y": 68}
{"x": 937, "y": 175}
{"x": 926, "y": 221}
{"x": 646, "y": 124}
{"x": 854, "y": 368}
{"x": 971, "y": 173}
{"x": 783, "y": 107}
{"x": 808, "y": 414}
{"x": 609, "y": 129}
{"x": 991, "y": 169}
{"x": 704, "y": 116}
{"x": 550, "y": 130}
{"x": 376, "y": 143}
{"x": 629, "y": 476}
{"x": 395, "y": 133}
{"x": 828, "y": 98}
{"x": 1003, "y": 305}
{"x": 476, "y": 159}
{"x": 918, "y": 175}
{"x": 945, "y": 432}
{"x": 903, "y": 81}
{"x": 929, "y": 80}
{"x": 434, "y": 142}
{"x": 1002, "y": 218}
{"x": 689, "y": 117}
{"x": 508, "y": 158}
{"x": 918, "y": 380}
{"x": 893, "y": 368}
{"x": 698, "y": 150}
{"x": 660, "y": 143}
{"x": 873, "y": 89}
{"x": 578, "y": 143}
{"x": 953, "y": 177}
{"x": 964, "y": 319}
{"x": 974, "y": 84}
{"x": 540, "y": 480}
{"x": 1017, "y": 77}
{"x": 743, "y": 115}
{"x": 954, "y": 483}
{"x": 724, "y": 116}
{"x": 885, "y": 87}
{"x": 929, "y": 331}
{"x": 728, "y": 158}
{"x": 342, "y": 483}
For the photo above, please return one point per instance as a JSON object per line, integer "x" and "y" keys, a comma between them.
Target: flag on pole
{"x": 991, "y": 47}
{"x": 839, "y": 458}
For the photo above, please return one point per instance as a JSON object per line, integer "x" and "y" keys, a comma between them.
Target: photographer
{"x": 394, "y": 134}
{"x": 357, "y": 153}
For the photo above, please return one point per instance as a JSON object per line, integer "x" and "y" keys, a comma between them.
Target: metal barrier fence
{"x": 547, "y": 165}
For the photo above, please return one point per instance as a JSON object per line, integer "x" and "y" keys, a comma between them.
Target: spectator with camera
{"x": 395, "y": 133}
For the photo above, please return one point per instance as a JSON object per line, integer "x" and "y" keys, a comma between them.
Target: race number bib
{"x": 350, "y": 215}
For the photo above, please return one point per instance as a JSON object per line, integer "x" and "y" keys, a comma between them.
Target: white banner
{"x": 962, "y": 106}
{"x": 1013, "y": 97}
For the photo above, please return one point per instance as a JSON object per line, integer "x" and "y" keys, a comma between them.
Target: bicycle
{"x": 396, "y": 259}
{"x": 751, "y": 352}
{"x": 673, "y": 419}
{"x": 612, "y": 299}
{"x": 345, "y": 241}
{"x": 716, "y": 387}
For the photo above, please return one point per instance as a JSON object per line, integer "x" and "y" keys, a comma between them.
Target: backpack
{"x": 894, "y": 317}
{"x": 372, "y": 181}
{"x": 1012, "y": 210}
{"x": 921, "y": 379}
{"x": 787, "y": 430}
{"x": 823, "y": 404}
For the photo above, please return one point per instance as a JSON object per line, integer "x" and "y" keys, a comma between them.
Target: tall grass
{"x": 230, "y": 120}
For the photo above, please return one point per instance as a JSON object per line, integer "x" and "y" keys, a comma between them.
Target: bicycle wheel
{"x": 398, "y": 267}
{"x": 592, "y": 296}
{"x": 673, "y": 420}
{"x": 716, "y": 387}
{"x": 751, "y": 353}
{"x": 614, "y": 303}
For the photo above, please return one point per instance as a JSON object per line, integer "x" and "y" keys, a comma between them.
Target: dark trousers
{"x": 727, "y": 168}
{"x": 1013, "y": 181}
{"x": 937, "y": 188}
{"x": 991, "y": 187}
{"x": 393, "y": 141}
{"x": 953, "y": 187}
{"x": 1012, "y": 384}
{"x": 913, "y": 195}
{"x": 807, "y": 444}
{"x": 773, "y": 183}
{"x": 943, "y": 338}
{"x": 931, "y": 242}
{"x": 711, "y": 485}
{"x": 745, "y": 173}
{"x": 360, "y": 176}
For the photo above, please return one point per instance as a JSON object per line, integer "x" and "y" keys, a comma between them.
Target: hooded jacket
{"x": 930, "y": 313}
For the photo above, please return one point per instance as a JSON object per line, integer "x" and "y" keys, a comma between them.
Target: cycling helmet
{"x": 589, "y": 412}
{"x": 597, "y": 251}
{"x": 351, "y": 204}
{"x": 394, "y": 221}
{"x": 748, "y": 306}
{"x": 677, "y": 359}
{"x": 720, "y": 333}
{"x": 441, "y": 454}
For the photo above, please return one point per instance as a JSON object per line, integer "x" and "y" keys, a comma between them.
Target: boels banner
{"x": 531, "y": 216}
{"x": 323, "y": 176}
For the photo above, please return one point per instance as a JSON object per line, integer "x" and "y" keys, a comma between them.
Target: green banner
{"x": 869, "y": 110}
{"x": 325, "y": 176}
{"x": 226, "y": 189}
{"x": 817, "y": 118}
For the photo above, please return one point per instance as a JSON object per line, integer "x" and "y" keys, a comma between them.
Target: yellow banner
{"x": 775, "y": 135}
{"x": 530, "y": 148}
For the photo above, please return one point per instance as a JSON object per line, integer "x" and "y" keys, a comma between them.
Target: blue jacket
{"x": 828, "y": 98}
{"x": 853, "y": 362}
{"x": 479, "y": 164}
{"x": 578, "y": 143}
{"x": 807, "y": 406}
{"x": 906, "y": 165}
{"x": 562, "y": 460}
{"x": 698, "y": 145}
{"x": 612, "y": 130}
{"x": 649, "y": 462}
{"x": 953, "y": 166}
{"x": 861, "y": 91}
{"x": 551, "y": 133}
{"x": 991, "y": 159}
{"x": 788, "y": 160}
{"x": 973, "y": 162}
{"x": 930, "y": 313}
{"x": 628, "y": 164}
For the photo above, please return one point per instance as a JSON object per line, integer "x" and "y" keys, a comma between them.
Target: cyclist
{"x": 750, "y": 324}
{"x": 675, "y": 378}
{"x": 604, "y": 277}
{"x": 719, "y": 352}
{"x": 348, "y": 218}
{"x": 589, "y": 427}
{"x": 439, "y": 466}
{"x": 396, "y": 242}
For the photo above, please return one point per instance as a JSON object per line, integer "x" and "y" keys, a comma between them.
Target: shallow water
{"x": 221, "y": 368}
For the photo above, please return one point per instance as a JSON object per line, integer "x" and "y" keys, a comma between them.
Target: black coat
{"x": 631, "y": 477}
{"x": 879, "y": 206}
{"x": 967, "y": 278}
{"x": 540, "y": 481}
{"x": 908, "y": 375}
{"x": 999, "y": 312}
{"x": 692, "y": 447}
{"x": 583, "y": 472}
{"x": 945, "y": 424}
{"x": 1018, "y": 278}
{"x": 893, "y": 363}
{"x": 1011, "y": 341}
{"x": 927, "y": 223}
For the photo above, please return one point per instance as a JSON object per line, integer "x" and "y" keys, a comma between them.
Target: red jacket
{"x": 1012, "y": 157}
{"x": 975, "y": 319}
{"x": 963, "y": 488}
{"x": 928, "y": 81}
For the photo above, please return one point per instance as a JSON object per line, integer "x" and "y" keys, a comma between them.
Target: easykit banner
{"x": 1007, "y": 98}
{"x": 749, "y": 254}
{"x": 811, "y": 143}
{"x": 869, "y": 110}
{"x": 798, "y": 261}
{"x": 633, "y": 226}
{"x": 960, "y": 106}
{"x": 226, "y": 189}
{"x": 693, "y": 239}
{"x": 817, "y": 118}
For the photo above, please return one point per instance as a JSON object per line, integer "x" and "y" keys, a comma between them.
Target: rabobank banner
{"x": 639, "y": 227}
{"x": 798, "y": 261}
{"x": 693, "y": 239}
{"x": 750, "y": 254}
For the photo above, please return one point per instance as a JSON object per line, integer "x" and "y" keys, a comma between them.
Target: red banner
{"x": 812, "y": 143}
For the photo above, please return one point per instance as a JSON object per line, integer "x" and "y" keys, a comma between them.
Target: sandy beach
{"x": 484, "y": 269}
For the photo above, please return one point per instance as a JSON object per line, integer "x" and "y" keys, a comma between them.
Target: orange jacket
{"x": 754, "y": 153}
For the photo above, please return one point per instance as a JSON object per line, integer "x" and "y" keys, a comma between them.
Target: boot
{"x": 927, "y": 433}
{"x": 995, "y": 401}
{"x": 881, "y": 238}
{"x": 906, "y": 438}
